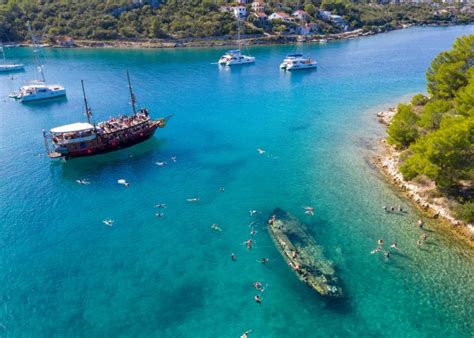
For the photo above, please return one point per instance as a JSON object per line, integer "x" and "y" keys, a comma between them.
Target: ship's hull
{"x": 302, "y": 66}
{"x": 43, "y": 96}
{"x": 11, "y": 68}
{"x": 302, "y": 253}
{"x": 101, "y": 146}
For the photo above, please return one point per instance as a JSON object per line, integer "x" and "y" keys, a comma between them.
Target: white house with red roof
{"x": 258, "y": 6}
{"x": 281, "y": 16}
{"x": 300, "y": 15}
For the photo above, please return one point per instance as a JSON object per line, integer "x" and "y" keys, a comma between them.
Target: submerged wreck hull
{"x": 302, "y": 253}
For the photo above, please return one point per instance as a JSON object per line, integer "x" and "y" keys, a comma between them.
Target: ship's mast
{"x": 238, "y": 29}
{"x": 35, "y": 43}
{"x": 2, "y": 50}
{"x": 88, "y": 111}
{"x": 132, "y": 96}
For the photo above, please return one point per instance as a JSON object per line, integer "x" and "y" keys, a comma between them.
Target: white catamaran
{"x": 235, "y": 57}
{"x": 8, "y": 67}
{"x": 39, "y": 89}
{"x": 297, "y": 62}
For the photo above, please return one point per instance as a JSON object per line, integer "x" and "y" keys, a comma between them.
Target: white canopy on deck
{"x": 73, "y": 127}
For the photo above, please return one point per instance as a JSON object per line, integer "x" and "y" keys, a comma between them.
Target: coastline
{"x": 420, "y": 192}
{"x": 228, "y": 41}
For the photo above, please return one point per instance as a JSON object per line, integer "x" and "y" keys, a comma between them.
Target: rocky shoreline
{"x": 225, "y": 41}
{"x": 419, "y": 191}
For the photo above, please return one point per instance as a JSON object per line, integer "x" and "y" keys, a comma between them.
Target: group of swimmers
{"x": 393, "y": 209}
{"x": 387, "y": 254}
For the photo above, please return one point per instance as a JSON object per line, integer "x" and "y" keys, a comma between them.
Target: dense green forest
{"x": 436, "y": 132}
{"x": 176, "y": 19}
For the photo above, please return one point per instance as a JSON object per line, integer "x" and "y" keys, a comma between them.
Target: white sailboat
{"x": 235, "y": 57}
{"x": 8, "y": 67}
{"x": 39, "y": 89}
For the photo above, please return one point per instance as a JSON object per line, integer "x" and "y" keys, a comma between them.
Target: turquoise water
{"x": 64, "y": 273}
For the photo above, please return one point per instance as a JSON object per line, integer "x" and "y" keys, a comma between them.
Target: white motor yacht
{"x": 235, "y": 57}
{"x": 297, "y": 62}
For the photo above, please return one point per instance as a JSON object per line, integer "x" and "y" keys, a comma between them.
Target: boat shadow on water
{"x": 94, "y": 165}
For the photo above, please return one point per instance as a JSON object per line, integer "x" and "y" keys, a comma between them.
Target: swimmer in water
{"x": 272, "y": 220}
{"x": 264, "y": 260}
{"x": 252, "y": 231}
{"x": 123, "y": 182}
{"x": 377, "y": 249}
{"x": 387, "y": 254}
{"x": 160, "y": 164}
{"x": 258, "y": 286}
{"x": 83, "y": 181}
{"x": 248, "y": 244}
{"x": 253, "y": 212}
{"x": 424, "y": 236}
{"x": 159, "y": 214}
{"x": 221, "y": 189}
{"x": 193, "y": 199}
{"x": 309, "y": 211}
{"x": 232, "y": 257}
{"x": 261, "y": 151}
{"x": 258, "y": 300}
{"x": 418, "y": 243}
{"x": 380, "y": 242}
{"x": 394, "y": 245}
{"x": 420, "y": 224}
{"x": 246, "y": 334}
{"x": 173, "y": 158}
{"x": 108, "y": 222}
{"x": 160, "y": 205}
{"x": 216, "y": 227}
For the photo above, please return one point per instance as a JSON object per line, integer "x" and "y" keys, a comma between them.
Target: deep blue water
{"x": 64, "y": 273}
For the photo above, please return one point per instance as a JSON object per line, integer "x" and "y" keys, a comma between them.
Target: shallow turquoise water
{"x": 64, "y": 273}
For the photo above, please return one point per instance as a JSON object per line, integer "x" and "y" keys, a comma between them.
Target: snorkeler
{"x": 258, "y": 300}
{"x": 216, "y": 227}
{"x": 248, "y": 243}
{"x": 258, "y": 286}
{"x": 108, "y": 222}
{"x": 246, "y": 334}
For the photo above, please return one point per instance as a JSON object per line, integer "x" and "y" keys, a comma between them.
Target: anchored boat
{"x": 8, "y": 67}
{"x": 89, "y": 138}
{"x": 235, "y": 57}
{"x": 301, "y": 252}
{"x": 39, "y": 89}
{"x": 298, "y": 62}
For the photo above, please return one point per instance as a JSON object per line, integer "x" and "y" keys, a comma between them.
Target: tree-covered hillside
{"x": 437, "y": 132}
{"x": 176, "y": 19}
